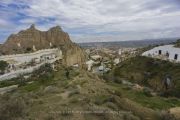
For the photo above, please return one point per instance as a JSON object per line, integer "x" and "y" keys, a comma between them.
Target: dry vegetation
{"x": 84, "y": 96}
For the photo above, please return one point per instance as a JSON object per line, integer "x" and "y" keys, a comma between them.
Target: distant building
{"x": 88, "y": 51}
{"x": 166, "y": 52}
{"x": 126, "y": 50}
{"x": 116, "y": 61}
{"x": 90, "y": 64}
{"x": 22, "y": 61}
{"x": 96, "y": 57}
{"x": 101, "y": 68}
{"x": 20, "y": 64}
{"x": 28, "y": 57}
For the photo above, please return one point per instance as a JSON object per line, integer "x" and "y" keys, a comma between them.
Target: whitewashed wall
{"x": 17, "y": 73}
{"x": 22, "y": 58}
{"x": 166, "y": 48}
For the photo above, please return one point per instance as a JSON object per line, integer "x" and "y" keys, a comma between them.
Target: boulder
{"x": 175, "y": 112}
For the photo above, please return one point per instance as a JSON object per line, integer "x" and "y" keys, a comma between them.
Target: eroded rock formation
{"x": 32, "y": 39}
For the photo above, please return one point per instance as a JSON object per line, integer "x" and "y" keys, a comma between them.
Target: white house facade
{"x": 19, "y": 64}
{"x": 166, "y": 52}
{"x": 28, "y": 57}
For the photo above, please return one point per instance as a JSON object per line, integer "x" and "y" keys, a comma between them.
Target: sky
{"x": 94, "y": 20}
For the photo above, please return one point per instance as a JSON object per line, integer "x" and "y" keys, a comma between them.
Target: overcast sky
{"x": 94, "y": 20}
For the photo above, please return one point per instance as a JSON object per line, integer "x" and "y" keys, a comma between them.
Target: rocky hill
{"x": 83, "y": 96}
{"x": 150, "y": 72}
{"x": 32, "y": 39}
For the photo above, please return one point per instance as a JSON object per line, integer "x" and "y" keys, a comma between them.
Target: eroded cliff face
{"x": 32, "y": 39}
{"x": 74, "y": 55}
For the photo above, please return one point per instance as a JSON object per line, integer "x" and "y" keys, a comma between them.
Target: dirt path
{"x": 8, "y": 89}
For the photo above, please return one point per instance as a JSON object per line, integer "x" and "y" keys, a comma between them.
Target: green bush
{"x": 177, "y": 44}
{"x": 147, "y": 92}
{"x": 118, "y": 93}
{"x": 21, "y": 81}
{"x": 117, "y": 80}
{"x": 149, "y": 72}
{"x": 29, "y": 49}
{"x": 99, "y": 100}
{"x": 3, "y": 65}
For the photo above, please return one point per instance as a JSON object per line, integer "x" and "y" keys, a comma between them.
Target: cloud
{"x": 91, "y": 19}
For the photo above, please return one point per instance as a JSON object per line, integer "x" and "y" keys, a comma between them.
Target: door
{"x": 176, "y": 56}
{"x": 160, "y": 52}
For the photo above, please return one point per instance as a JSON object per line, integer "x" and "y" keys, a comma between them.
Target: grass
{"x": 12, "y": 108}
{"x": 101, "y": 99}
{"x": 31, "y": 87}
{"x": 107, "y": 98}
{"x": 74, "y": 92}
{"x": 149, "y": 72}
{"x": 14, "y": 81}
{"x": 41, "y": 82}
{"x": 7, "y": 83}
{"x": 48, "y": 79}
{"x": 141, "y": 98}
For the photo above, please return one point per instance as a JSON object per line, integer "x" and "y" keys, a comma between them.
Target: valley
{"x": 117, "y": 83}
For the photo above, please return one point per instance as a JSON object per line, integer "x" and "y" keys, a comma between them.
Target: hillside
{"x": 52, "y": 96}
{"x": 150, "y": 72}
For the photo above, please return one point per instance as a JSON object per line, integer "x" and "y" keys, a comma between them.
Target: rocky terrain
{"x": 136, "y": 70}
{"x": 32, "y": 40}
{"x": 82, "y": 96}
{"x": 50, "y": 94}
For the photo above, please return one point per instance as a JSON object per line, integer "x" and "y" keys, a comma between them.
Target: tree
{"x": 28, "y": 49}
{"x": 3, "y": 65}
{"x": 177, "y": 43}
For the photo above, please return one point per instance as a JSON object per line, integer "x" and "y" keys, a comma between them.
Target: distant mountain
{"x": 132, "y": 43}
{"x": 31, "y": 39}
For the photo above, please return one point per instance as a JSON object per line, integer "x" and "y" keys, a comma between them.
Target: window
{"x": 167, "y": 54}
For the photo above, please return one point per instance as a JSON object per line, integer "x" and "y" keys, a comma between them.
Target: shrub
{"x": 165, "y": 115}
{"x": 21, "y": 81}
{"x": 12, "y": 109}
{"x": 117, "y": 80}
{"x": 66, "y": 112}
{"x": 75, "y": 92}
{"x": 128, "y": 116}
{"x": 28, "y": 49}
{"x": 177, "y": 44}
{"x": 111, "y": 106}
{"x": 147, "y": 92}
{"x": 104, "y": 99}
{"x": 118, "y": 93}
{"x": 74, "y": 100}
{"x": 3, "y": 65}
